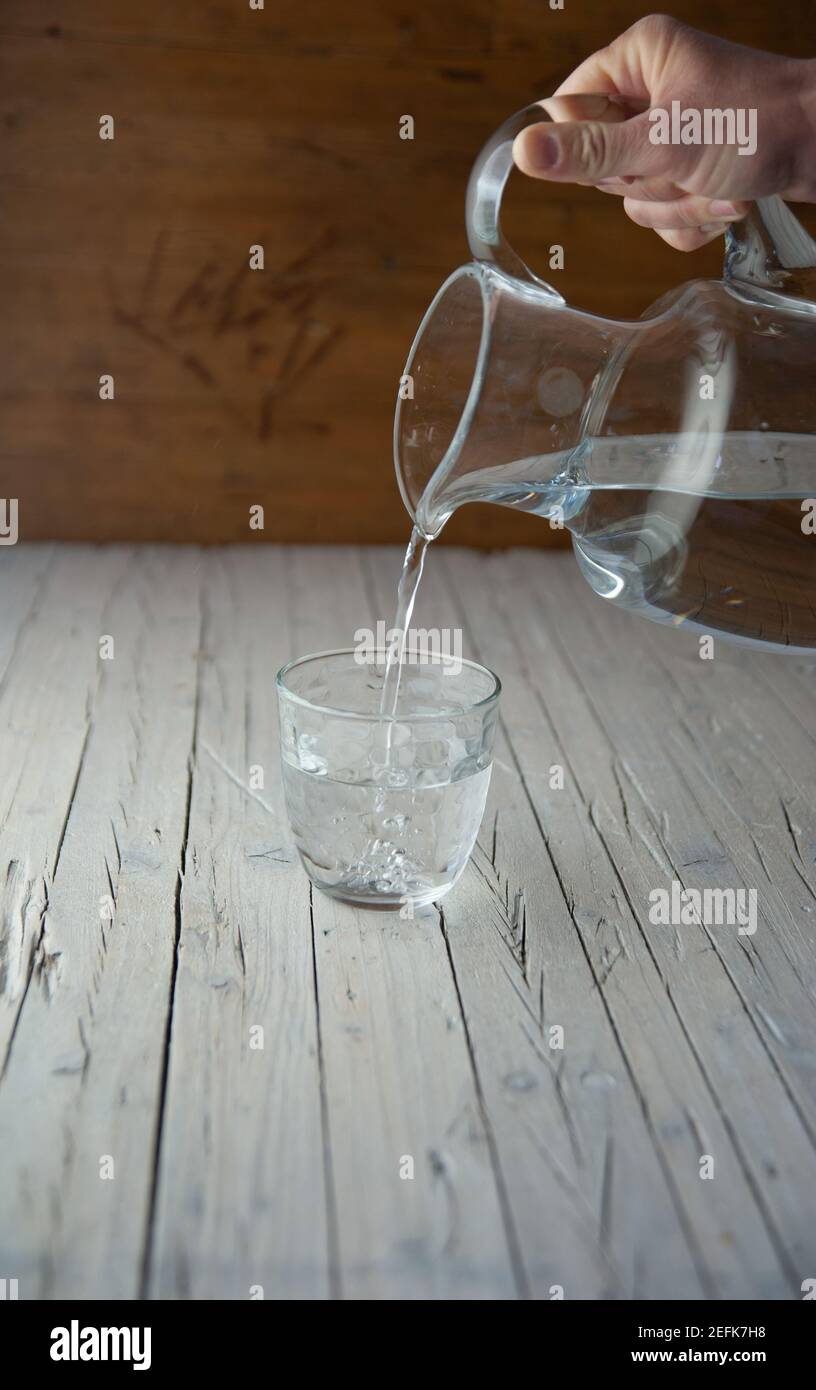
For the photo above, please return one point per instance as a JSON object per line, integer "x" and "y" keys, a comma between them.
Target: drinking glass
{"x": 385, "y": 811}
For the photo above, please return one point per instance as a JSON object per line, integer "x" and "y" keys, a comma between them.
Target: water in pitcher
{"x": 723, "y": 544}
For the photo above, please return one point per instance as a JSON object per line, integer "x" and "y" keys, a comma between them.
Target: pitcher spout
{"x": 495, "y": 397}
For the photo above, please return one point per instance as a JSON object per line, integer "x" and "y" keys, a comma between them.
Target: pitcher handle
{"x": 484, "y": 195}
{"x": 492, "y": 168}
{"x": 768, "y": 247}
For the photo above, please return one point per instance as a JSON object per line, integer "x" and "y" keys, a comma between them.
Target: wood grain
{"x": 276, "y": 127}
{"x": 93, "y": 835}
{"x": 243, "y": 1100}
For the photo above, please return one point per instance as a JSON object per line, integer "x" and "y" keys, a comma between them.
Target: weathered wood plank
{"x": 23, "y": 569}
{"x": 43, "y": 727}
{"x": 611, "y": 703}
{"x": 728, "y": 758}
{"x": 242, "y": 1197}
{"x": 93, "y": 817}
{"x": 738, "y": 729}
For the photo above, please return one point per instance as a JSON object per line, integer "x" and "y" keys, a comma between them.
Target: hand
{"x": 687, "y": 193}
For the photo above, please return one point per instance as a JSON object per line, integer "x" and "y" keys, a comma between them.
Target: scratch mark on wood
{"x": 441, "y": 1172}
{"x": 792, "y": 831}
{"x": 329, "y": 1195}
{"x": 213, "y": 304}
{"x": 519, "y": 1272}
{"x": 182, "y": 870}
{"x": 248, "y": 791}
{"x": 606, "y": 1192}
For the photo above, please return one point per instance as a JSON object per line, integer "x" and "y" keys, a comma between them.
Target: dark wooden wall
{"x": 277, "y": 127}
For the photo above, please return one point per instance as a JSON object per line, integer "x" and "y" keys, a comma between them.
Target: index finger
{"x": 629, "y": 66}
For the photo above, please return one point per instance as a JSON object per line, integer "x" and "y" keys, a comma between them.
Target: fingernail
{"x": 545, "y": 153}
{"x": 719, "y": 209}
{"x": 707, "y": 227}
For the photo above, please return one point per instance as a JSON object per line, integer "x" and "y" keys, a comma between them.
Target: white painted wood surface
{"x": 129, "y": 1043}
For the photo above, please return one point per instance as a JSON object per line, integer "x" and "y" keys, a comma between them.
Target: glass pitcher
{"x": 679, "y": 450}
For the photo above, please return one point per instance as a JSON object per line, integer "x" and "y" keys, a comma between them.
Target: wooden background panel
{"x": 278, "y": 127}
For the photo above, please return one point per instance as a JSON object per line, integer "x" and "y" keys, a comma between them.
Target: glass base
{"x": 381, "y": 902}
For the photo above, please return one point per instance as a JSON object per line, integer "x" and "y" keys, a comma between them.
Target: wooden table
{"x": 156, "y": 930}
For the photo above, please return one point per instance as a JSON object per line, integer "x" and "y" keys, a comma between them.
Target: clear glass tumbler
{"x": 385, "y": 812}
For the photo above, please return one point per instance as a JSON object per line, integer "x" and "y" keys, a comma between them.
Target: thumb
{"x": 588, "y": 151}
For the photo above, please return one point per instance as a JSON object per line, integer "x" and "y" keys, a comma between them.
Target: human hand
{"x": 688, "y": 193}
